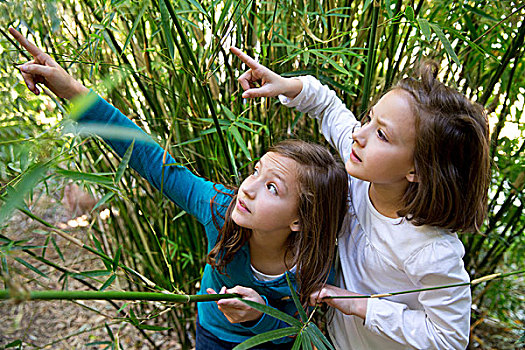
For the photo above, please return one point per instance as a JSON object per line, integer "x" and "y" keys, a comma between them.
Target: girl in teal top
{"x": 283, "y": 218}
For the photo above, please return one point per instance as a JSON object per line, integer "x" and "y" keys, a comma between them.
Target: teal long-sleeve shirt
{"x": 195, "y": 195}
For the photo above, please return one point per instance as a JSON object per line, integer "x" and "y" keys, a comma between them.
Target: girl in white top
{"x": 418, "y": 172}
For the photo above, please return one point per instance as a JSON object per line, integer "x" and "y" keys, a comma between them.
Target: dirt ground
{"x": 62, "y": 324}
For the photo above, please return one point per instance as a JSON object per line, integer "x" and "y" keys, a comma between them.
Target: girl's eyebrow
{"x": 381, "y": 122}
{"x": 275, "y": 173}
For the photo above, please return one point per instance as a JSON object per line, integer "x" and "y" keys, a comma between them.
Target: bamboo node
{"x": 485, "y": 278}
{"x": 381, "y": 295}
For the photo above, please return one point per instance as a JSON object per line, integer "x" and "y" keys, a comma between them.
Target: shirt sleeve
{"x": 444, "y": 320}
{"x": 336, "y": 121}
{"x": 191, "y": 193}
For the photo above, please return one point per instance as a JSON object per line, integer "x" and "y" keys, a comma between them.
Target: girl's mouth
{"x": 242, "y": 206}
{"x": 354, "y": 157}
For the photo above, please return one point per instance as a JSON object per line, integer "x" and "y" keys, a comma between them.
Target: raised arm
{"x": 307, "y": 94}
{"x": 188, "y": 191}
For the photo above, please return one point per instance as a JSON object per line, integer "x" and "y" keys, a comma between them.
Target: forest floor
{"x": 62, "y": 324}
{"x": 82, "y": 324}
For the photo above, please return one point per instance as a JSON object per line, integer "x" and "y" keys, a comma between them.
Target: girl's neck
{"x": 387, "y": 199}
{"x": 267, "y": 252}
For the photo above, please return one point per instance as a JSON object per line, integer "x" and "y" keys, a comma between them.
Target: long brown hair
{"x": 323, "y": 191}
{"x": 451, "y": 156}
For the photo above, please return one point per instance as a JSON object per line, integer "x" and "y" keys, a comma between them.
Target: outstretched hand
{"x": 235, "y": 310}
{"x": 44, "y": 70}
{"x": 270, "y": 83}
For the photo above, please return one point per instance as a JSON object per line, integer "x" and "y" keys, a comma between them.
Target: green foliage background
{"x": 166, "y": 65}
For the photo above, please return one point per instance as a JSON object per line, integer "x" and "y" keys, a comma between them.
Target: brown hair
{"x": 451, "y": 156}
{"x": 322, "y": 204}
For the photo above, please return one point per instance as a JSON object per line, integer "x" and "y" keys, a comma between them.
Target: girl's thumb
{"x": 36, "y": 69}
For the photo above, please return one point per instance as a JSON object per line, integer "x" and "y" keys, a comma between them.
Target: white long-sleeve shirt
{"x": 380, "y": 254}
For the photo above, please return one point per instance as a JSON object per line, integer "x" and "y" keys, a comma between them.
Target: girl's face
{"x": 383, "y": 148}
{"x": 267, "y": 200}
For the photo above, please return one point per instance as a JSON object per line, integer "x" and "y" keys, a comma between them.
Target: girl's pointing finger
{"x": 253, "y": 64}
{"x": 32, "y": 48}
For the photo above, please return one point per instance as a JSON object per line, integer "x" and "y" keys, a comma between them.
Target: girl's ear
{"x": 412, "y": 176}
{"x": 295, "y": 226}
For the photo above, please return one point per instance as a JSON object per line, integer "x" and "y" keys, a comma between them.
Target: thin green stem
{"x": 473, "y": 282}
{"x": 112, "y": 295}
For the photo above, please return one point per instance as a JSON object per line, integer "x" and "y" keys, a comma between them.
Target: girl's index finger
{"x": 32, "y": 48}
{"x": 253, "y": 64}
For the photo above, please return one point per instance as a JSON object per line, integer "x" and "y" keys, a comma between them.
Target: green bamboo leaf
{"x": 92, "y": 273}
{"x": 225, "y": 11}
{"x": 97, "y": 244}
{"x": 367, "y": 3}
{"x": 266, "y": 337}
{"x": 166, "y": 27}
{"x": 212, "y": 130}
{"x": 14, "y": 343}
{"x": 238, "y": 138}
{"x": 388, "y": 6}
{"x": 320, "y": 335}
{"x": 110, "y": 332}
{"x": 31, "y": 267}
{"x": 316, "y": 341}
{"x": 229, "y": 113}
{"x": 409, "y": 13}
{"x": 295, "y": 299}
{"x": 446, "y": 43}
{"x": 425, "y": 28}
{"x": 107, "y": 39}
{"x": 57, "y": 248}
{"x": 244, "y": 127}
{"x": 199, "y": 7}
{"x": 306, "y": 341}
{"x": 297, "y": 343}
{"x": 479, "y": 12}
{"x": 153, "y": 328}
{"x": 179, "y": 215}
{"x": 135, "y": 24}
{"x": 117, "y": 258}
{"x": 249, "y": 121}
{"x": 108, "y": 282}
{"x": 331, "y": 62}
{"x": 124, "y": 162}
{"x": 280, "y": 315}
{"x": 15, "y": 195}
{"x": 103, "y": 200}
{"x": 87, "y": 177}
{"x": 103, "y": 342}
{"x": 122, "y": 307}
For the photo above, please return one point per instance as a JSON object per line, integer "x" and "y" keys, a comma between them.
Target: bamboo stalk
{"x": 112, "y": 295}
{"x": 370, "y": 60}
{"x": 471, "y": 283}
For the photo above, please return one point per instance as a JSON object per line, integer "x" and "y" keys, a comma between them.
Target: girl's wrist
{"x": 294, "y": 87}
{"x": 77, "y": 90}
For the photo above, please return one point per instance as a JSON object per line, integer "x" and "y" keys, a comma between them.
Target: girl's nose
{"x": 248, "y": 188}
{"x": 358, "y": 135}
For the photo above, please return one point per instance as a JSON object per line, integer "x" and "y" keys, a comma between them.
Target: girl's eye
{"x": 255, "y": 172}
{"x": 381, "y": 135}
{"x": 272, "y": 188}
{"x": 365, "y": 120}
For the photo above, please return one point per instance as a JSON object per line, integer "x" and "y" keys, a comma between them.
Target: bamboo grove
{"x": 166, "y": 65}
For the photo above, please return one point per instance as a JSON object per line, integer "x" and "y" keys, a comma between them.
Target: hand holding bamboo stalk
{"x": 270, "y": 83}
{"x": 44, "y": 70}
{"x": 329, "y": 294}
{"x": 235, "y": 310}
